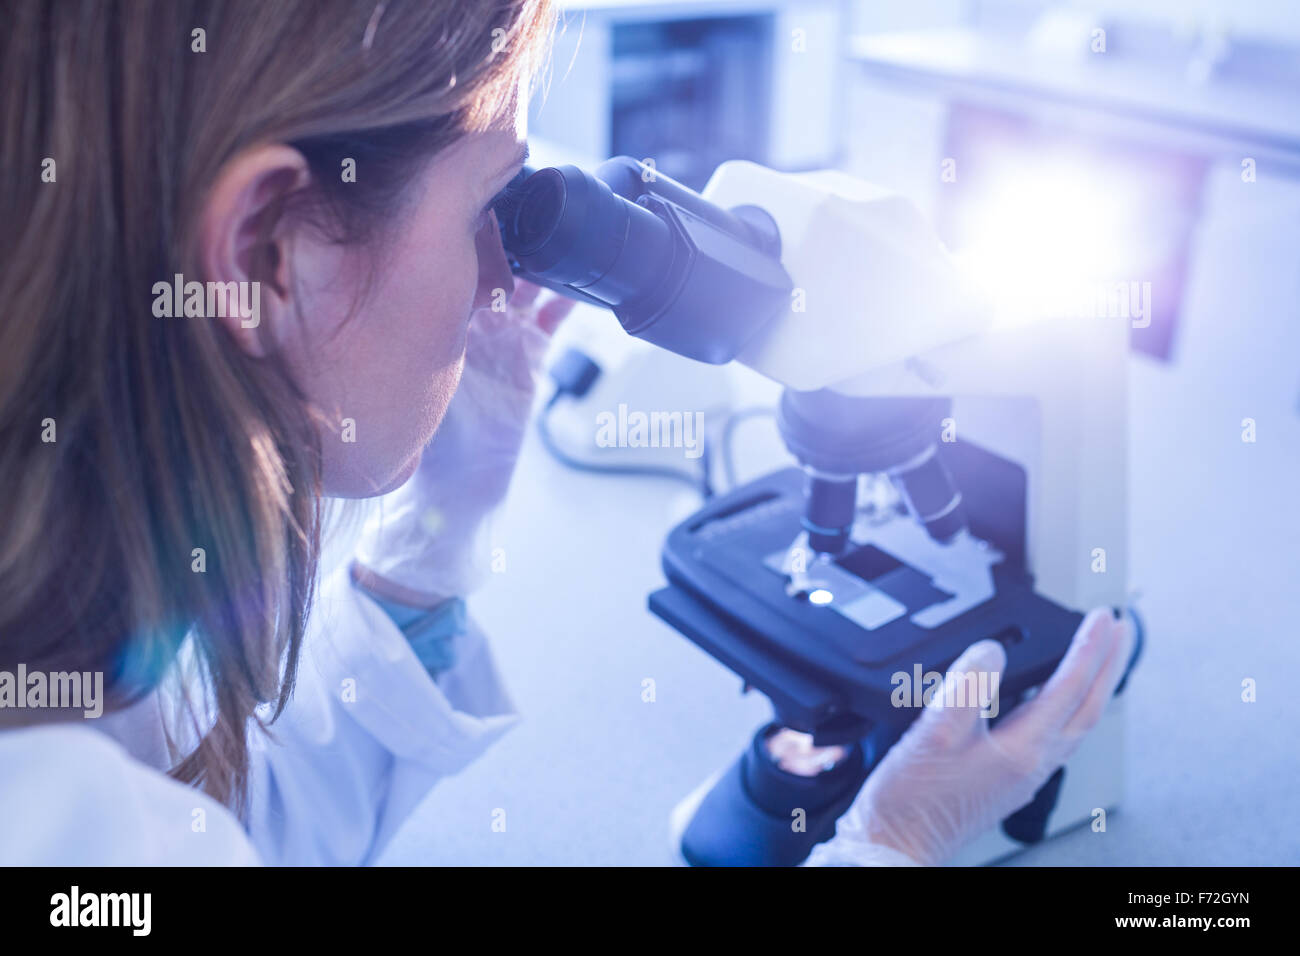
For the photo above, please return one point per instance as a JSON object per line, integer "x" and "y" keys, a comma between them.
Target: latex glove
{"x": 950, "y": 777}
{"x": 429, "y": 539}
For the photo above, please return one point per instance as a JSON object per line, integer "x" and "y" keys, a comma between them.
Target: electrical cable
{"x": 574, "y": 373}
{"x": 697, "y": 482}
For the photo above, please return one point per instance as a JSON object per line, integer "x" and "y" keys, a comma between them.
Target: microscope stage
{"x": 893, "y": 601}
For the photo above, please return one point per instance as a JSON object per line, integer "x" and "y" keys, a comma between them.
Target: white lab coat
{"x": 333, "y": 787}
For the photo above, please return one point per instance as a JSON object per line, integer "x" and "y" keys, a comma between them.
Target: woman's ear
{"x": 243, "y": 238}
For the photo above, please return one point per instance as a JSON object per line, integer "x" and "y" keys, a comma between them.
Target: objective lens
{"x": 829, "y": 508}
{"x": 933, "y": 498}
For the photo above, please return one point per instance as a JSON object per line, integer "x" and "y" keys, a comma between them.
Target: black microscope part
{"x": 828, "y": 518}
{"x": 675, "y": 269}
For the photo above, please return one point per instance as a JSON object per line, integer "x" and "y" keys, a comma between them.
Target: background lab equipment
{"x": 961, "y": 476}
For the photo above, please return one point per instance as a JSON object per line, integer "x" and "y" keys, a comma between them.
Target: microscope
{"x": 960, "y": 477}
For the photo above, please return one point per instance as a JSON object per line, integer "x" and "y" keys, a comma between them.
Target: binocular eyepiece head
{"x": 565, "y": 225}
{"x": 675, "y": 269}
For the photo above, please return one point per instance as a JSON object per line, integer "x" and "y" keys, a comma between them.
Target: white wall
{"x": 1277, "y": 20}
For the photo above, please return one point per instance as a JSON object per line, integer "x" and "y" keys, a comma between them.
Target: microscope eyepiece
{"x": 566, "y": 226}
{"x": 545, "y": 198}
{"x": 675, "y": 269}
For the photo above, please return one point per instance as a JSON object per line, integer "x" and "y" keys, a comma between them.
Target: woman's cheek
{"x": 445, "y": 316}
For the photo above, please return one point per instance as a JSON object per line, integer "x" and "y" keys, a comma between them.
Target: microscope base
{"x": 728, "y": 827}
{"x": 717, "y": 824}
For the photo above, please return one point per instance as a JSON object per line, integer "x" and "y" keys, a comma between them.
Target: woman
{"x": 165, "y": 454}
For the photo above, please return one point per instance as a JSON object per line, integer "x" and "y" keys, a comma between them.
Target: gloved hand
{"x": 951, "y": 778}
{"x": 429, "y": 539}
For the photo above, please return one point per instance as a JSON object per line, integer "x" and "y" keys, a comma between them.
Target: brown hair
{"x": 166, "y": 436}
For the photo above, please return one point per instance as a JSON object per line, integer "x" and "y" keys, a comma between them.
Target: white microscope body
{"x": 880, "y": 309}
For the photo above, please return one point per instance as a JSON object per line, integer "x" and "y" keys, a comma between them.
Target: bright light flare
{"x": 1043, "y": 236}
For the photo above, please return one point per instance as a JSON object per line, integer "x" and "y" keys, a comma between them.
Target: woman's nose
{"x": 493, "y": 268}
